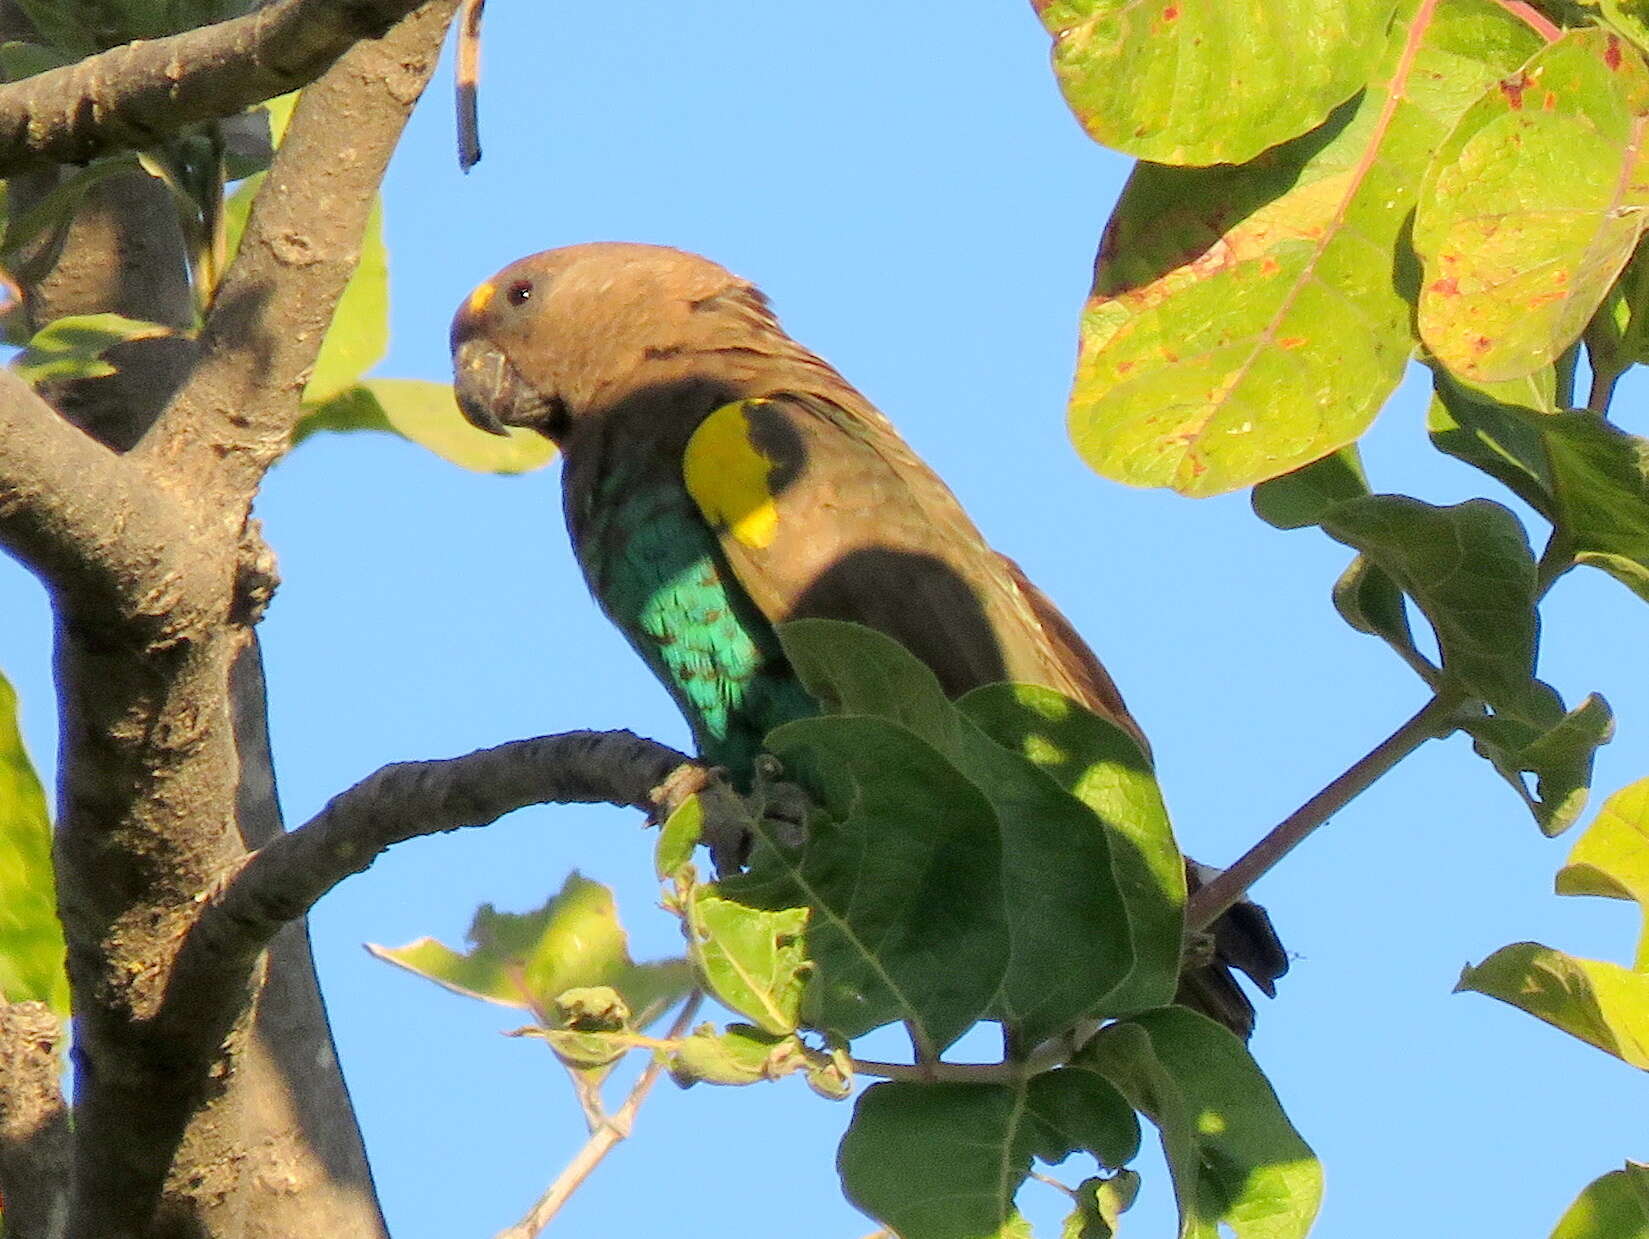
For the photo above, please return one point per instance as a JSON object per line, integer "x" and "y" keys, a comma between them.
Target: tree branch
{"x": 283, "y": 880}
{"x": 133, "y": 96}
{"x": 233, "y": 418}
{"x": 87, "y": 523}
{"x": 1213, "y": 900}
{"x": 34, "y": 1124}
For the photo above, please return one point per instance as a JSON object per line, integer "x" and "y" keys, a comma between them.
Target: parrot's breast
{"x": 654, "y": 567}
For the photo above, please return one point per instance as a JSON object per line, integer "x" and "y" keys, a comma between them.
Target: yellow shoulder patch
{"x": 481, "y": 296}
{"x": 727, "y": 476}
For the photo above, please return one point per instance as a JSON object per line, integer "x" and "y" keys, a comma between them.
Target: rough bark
{"x": 157, "y": 577}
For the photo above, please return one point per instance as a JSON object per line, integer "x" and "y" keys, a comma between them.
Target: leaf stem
{"x": 600, "y": 1143}
{"x": 1209, "y": 903}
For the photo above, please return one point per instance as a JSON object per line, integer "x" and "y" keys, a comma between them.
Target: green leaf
{"x": 1480, "y": 424}
{"x": 1101, "y": 765}
{"x": 900, "y": 874}
{"x": 1597, "y": 1002}
{"x": 1370, "y": 601}
{"x": 426, "y": 414}
{"x": 531, "y": 959}
{"x": 1532, "y": 208}
{"x": 1248, "y": 320}
{"x": 1615, "y": 1206}
{"x": 938, "y": 1161}
{"x": 750, "y": 958}
{"x": 1556, "y": 748}
{"x": 739, "y": 1055}
{"x": 1100, "y": 1204}
{"x": 72, "y": 347}
{"x": 1600, "y": 476}
{"x": 1302, "y": 497}
{"x": 31, "y": 938}
{"x": 1470, "y": 570}
{"x": 677, "y": 838}
{"x": 1142, "y": 78}
{"x": 1611, "y": 858}
{"x": 1071, "y": 941}
{"x": 358, "y": 336}
{"x": 20, "y": 60}
{"x": 1075, "y": 1110}
{"x": 943, "y": 1161}
{"x": 1235, "y": 1159}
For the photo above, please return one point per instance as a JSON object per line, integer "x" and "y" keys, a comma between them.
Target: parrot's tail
{"x": 1244, "y": 940}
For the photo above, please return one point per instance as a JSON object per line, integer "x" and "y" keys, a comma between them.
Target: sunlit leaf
{"x": 751, "y": 958}
{"x": 1612, "y": 858}
{"x": 1248, "y": 320}
{"x": 31, "y": 938}
{"x": 1533, "y": 206}
{"x": 1140, "y": 77}
{"x": 1600, "y": 1003}
{"x": 1615, "y": 1206}
{"x": 530, "y": 959}
{"x": 426, "y": 414}
{"x": 72, "y": 347}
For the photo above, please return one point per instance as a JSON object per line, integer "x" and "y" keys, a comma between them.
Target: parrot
{"x": 719, "y": 479}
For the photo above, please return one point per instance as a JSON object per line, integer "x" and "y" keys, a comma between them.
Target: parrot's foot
{"x": 773, "y": 810}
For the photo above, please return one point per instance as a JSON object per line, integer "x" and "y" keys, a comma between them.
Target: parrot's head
{"x": 559, "y": 338}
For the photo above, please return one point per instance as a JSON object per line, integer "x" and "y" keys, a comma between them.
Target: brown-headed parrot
{"x": 719, "y": 479}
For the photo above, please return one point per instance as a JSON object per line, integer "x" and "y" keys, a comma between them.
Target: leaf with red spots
{"x": 1246, "y": 321}
{"x": 1194, "y": 82}
{"x": 1532, "y": 208}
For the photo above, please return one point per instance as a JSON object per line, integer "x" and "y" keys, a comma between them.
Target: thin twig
{"x": 616, "y": 1128}
{"x": 1210, "y": 902}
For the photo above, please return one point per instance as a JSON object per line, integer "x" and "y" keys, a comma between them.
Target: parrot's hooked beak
{"x": 481, "y": 381}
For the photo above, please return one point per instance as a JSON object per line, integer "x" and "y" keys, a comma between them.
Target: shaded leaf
{"x": 1615, "y": 1206}
{"x": 19, "y": 60}
{"x": 1370, "y": 601}
{"x": 1072, "y": 944}
{"x": 31, "y": 938}
{"x": 1140, "y": 78}
{"x": 937, "y": 1161}
{"x": 72, "y": 347}
{"x": 531, "y": 959}
{"x": 427, "y": 414}
{"x": 1479, "y": 424}
{"x": 1612, "y": 858}
{"x": 1248, "y": 320}
{"x": 900, "y": 877}
{"x": 1597, "y": 1002}
{"x": 1097, "y": 762}
{"x": 1075, "y": 1110}
{"x": 1235, "y": 1159}
{"x": 1470, "y": 570}
{"x": 1532, "y": 208}
{"x": 1302, "y": 497}
{"x": 1600, "y": 476}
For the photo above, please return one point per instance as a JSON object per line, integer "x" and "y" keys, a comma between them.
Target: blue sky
{"x": 906, "y": 184}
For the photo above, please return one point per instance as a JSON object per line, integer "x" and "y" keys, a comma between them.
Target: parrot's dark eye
{"x": 519, "y": 293}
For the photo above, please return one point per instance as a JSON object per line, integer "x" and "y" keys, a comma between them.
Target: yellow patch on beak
{"x": 727, "y": 476}
{"x": 481, "y": 297}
